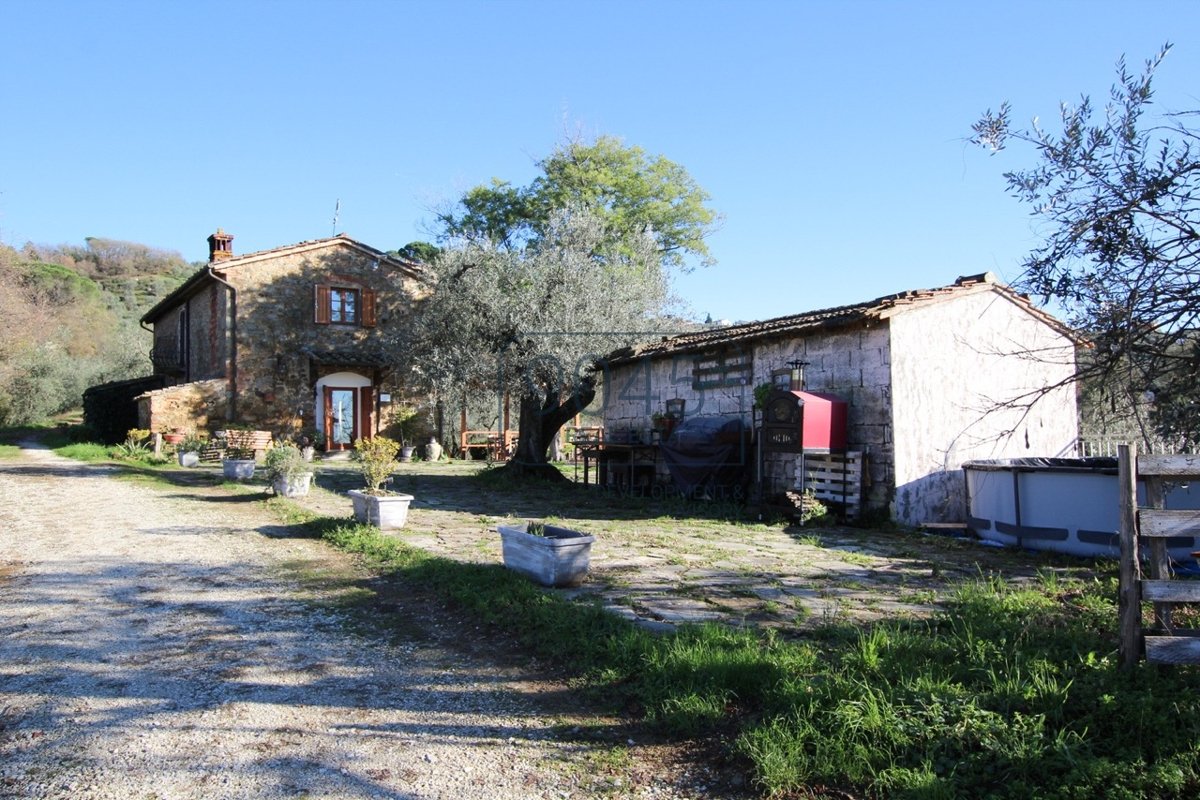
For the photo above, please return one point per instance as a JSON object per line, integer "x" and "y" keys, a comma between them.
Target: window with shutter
{"x": 343, "y": 305}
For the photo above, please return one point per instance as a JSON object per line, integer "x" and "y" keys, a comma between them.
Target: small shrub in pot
{"x": 288, "y": 471}
{"x": 376, "y": 459}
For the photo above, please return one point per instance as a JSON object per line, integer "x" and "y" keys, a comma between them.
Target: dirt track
{"x": 166, "y": 642}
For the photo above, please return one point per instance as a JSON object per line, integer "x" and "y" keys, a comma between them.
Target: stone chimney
{"x": 220, "y": 247}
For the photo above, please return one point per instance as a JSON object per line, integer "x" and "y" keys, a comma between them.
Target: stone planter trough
{"x": 238, "y": 469}
{"x": 386, "y": 512}
{"x": 189, "y": 459}
{"x": 560, "y": 558}
{"x": 295, "y": 486}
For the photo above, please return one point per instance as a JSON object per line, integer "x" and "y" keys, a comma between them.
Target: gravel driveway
{"x": 157, "y": 642}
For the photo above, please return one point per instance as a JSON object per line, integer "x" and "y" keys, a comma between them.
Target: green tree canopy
{"x": 538, "y": 283}
{"x": 1118, "y": 193}
{"x": 631, "y": 192}
{"x": 422, "y": 252}
{"x": 60, "y": 336}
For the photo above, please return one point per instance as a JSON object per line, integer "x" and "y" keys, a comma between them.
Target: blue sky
{"x": 831, "y": 136}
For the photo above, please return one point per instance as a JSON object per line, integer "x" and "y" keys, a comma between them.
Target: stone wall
{"x": 204, "y": 347}
{"x": 198, "y": 406}
{"x": 208, "y": 345}
{"x": 926, "y": 389}
{"x": 852, "y": 364}
{"x": 277, "y": 327}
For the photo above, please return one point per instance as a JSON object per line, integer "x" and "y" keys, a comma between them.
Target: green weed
{"x": 84, "y": 451}
{"x": 1010, "y": 692}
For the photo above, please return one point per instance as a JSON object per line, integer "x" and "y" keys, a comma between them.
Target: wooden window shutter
{"x": 368, "y": 308}
{"x": 321, "y": 305}
{"x": 366, "y": 412}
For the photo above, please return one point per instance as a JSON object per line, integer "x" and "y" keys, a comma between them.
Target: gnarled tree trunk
{"x": 540, "y": 418}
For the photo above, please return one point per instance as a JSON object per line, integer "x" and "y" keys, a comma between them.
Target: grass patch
{"x": 1011, "y": 693}
{"x": 83, "y": 451}
{"x": 10, "y": 451}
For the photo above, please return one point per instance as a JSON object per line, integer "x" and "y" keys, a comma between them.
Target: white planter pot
{"x": 295, "y": 486}
{"x": 560, "y": 558}
{"x": 188, "y": 459}
{"x": 238, "y": 469}
{"x": 386, "y": 512}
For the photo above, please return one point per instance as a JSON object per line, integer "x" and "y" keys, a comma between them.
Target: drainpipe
{"x": 233, "y": 392}
{"x": 150, "y": 331}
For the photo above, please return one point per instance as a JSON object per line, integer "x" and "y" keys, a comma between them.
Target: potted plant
{"x": 289, "y": 473}
{"x": 188, "y": 451}
{"x": 403, "y": 417}
{"x": 306, "y": 439}
{"x": 549, "y": 554}
{"x": 238, "y": 462}
{"x": 375, "y": 505}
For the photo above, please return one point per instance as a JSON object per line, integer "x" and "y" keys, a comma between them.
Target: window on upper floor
{"x": 344, "y": 305}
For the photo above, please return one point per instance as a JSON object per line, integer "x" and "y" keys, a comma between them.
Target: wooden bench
{"x": 257, "y": 442}
{"x": 490, "y": 445}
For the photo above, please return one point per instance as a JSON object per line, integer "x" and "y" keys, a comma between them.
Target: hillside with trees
{"x": 71, "y": 320}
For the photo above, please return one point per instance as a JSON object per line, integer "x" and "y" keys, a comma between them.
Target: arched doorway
{"x": 344, "y": 404}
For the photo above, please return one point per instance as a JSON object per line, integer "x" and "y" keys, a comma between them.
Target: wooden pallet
{"x": 833, "y": 478}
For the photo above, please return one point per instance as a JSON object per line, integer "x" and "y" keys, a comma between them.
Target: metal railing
{"x": 1106, "y": 446}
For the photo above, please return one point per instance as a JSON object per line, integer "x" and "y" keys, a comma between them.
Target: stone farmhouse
{"x": 297, "y": 337}
{"x": 932, "y": 379}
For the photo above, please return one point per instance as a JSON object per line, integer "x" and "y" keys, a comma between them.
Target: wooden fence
{"x": 1165, "y": 643}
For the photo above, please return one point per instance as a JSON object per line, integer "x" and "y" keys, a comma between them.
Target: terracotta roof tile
{"x": 864, "y": 313}
{"x": 347, "y": 358}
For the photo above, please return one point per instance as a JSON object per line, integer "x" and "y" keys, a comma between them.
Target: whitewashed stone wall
{"x": 953, "y": 366}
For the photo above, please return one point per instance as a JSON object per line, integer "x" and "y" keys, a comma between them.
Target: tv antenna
{"x": 337, "y": 209}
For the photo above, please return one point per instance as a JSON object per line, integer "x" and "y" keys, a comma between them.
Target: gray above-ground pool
{"x": 1068, "y": 505}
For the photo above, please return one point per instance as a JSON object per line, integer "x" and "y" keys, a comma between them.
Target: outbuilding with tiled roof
{"x": 931, "y": 378}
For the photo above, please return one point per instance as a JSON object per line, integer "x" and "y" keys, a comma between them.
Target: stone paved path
{"x": 662, "y": 564}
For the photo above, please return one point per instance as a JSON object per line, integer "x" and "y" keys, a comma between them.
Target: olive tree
{"x": 535, "y": 321}
{"x": 535, "y": 284}
{"x": 1118, "y": 194}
